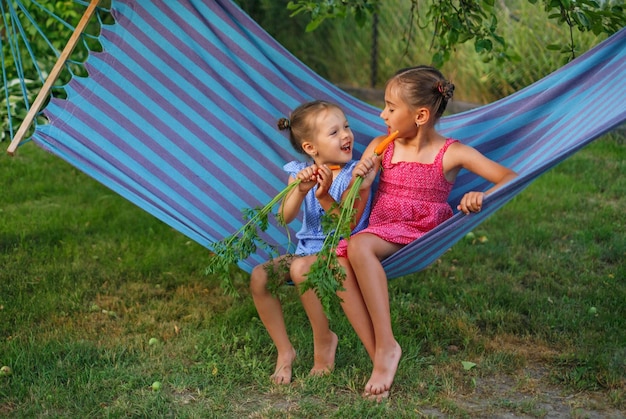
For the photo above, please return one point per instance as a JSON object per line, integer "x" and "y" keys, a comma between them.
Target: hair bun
{"x": 283, "y": 123}
{"x": 445, "y": 88}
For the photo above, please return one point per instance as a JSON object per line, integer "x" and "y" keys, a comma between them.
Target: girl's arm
{"x": 469, "y": 158}
{"x": 292, "y": 203}
{"x": 366, "y": 168}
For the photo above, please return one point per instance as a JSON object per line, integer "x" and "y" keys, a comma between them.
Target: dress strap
{"x": 442, "y": 151}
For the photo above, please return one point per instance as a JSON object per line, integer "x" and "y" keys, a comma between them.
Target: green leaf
{"x": 499, "y": 39}
{"x": 554, "y": 4}
{"x": 312, "y": 25}
{"x": 326, "y": 275}
{"x": 483, "y": 45}
{"x": 467, "y": 365}
{"x": 453, "y": 36}
{"x": 438, "y": 59}
{"x": 360, "y": 16}
{"x": 239, "y": 246}
{"x": 581, "y": 19}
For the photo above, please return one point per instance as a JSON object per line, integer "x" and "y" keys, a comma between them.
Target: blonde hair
{"x": 301, "y": 123}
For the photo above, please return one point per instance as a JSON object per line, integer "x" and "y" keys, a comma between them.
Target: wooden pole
{"x": 52, "y": 77}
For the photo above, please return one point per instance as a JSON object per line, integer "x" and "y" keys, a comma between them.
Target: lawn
{"x": 98, "y": 300}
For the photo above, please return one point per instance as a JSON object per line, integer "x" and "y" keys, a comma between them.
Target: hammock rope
{"x": 178, "y": 116}
{"x": 21, "y": 30}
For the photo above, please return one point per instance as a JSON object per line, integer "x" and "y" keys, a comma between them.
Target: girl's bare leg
{"x": 365, "y": 252}
{"x": 271, "y": 314}
{"x": 355, "y": 309}
{"x": 324, "y": 340}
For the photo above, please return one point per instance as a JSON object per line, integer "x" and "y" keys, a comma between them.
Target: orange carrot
{"x": 331, "y": 167}
{"x": 380, "y": 148}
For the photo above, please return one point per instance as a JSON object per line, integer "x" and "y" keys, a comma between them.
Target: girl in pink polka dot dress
{"x": 412, "y": 199}
{"x": 418, "y": 171}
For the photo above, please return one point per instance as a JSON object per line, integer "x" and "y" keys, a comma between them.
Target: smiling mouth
{"x": 346, "y": 147}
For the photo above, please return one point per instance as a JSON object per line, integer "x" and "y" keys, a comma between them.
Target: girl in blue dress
{"x": 320, "y": 131}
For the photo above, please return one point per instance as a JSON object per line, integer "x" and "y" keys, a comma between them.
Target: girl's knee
{"x": 357, "y": 247}
{"x": 298, "y": 271}
{"x": 258, "y": 279}
{"x": 364, "y": 247}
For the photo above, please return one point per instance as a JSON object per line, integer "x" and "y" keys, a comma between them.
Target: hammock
{"x": 178, "y": 116}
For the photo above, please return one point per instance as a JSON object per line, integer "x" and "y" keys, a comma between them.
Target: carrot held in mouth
{"x": 380, "y": 148}
{"x": 378, "y": 151}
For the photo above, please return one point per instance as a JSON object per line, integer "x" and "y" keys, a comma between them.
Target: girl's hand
{"x": 308, "y": 178}
{"x": 471, "y": 202}
{"x": 367, "y": 169}
{"x": 324, "y": 180}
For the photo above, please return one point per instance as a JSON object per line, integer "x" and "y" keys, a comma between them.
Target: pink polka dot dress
{"x": 411, "y": 199}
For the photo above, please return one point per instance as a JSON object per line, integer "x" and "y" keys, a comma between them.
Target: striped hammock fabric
{"x": 178, "y": 116}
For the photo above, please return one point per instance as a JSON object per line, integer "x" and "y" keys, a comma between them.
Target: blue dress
{"x": 311, "y": 237}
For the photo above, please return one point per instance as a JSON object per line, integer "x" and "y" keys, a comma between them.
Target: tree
{"x": 459, "y": 21}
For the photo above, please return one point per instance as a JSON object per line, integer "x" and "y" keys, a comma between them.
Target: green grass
{"x": 87, "y": 279}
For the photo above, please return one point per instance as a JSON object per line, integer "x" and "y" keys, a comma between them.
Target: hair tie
{"x": 445, "y": 89}
{"x": 283, "y": 123}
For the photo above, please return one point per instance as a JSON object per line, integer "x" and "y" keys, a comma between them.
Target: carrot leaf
{"x": 239, "y": 246}
{"x": 326, "y": 275}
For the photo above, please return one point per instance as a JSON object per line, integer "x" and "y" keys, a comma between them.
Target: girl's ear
{"x": 309, "y": 148}
{"x": 422, "y": 116}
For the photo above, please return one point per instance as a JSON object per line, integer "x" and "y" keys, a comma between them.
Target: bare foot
{"x": 377, "y": 397}
{"x": 282, "y": 373}
{"x": 385, "y": 367}
{"x": 324, "y": 356}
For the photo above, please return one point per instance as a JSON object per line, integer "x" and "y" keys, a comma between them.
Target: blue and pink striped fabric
{"x": 178, "y": 116}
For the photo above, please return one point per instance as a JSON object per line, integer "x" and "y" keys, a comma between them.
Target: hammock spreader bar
{"x": 52, "y": 77}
